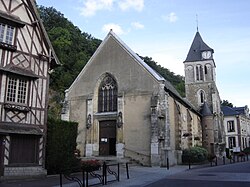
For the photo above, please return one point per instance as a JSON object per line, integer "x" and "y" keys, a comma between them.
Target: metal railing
{"x": 106, "y": 169}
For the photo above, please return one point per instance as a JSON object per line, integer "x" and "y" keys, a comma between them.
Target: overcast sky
{"x": 164, "y": 30}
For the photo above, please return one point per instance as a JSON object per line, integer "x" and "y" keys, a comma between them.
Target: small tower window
{"x": 202, "y": 96}
{"x": 199, "y": 73}
{"x": 205, "y": 69}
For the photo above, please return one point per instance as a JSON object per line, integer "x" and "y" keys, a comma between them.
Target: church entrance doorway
{"x": 107, "y": 138}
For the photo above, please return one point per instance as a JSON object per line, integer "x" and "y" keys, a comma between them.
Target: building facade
{"x": 26, "y": 57}
{"x": 126, "y": 109}
{"x": 237, "y": 128}
{"x": 202, "y": 92}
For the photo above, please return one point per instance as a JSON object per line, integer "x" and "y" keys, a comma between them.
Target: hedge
{"x": 194, "y": 155}
{"x": 60, "y": 146}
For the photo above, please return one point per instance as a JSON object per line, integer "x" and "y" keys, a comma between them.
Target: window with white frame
{"x": 231, "y": 142}
{"x": 17, "y": 90}
{"x": 230, "y": 126}
{"x": 6, "y": 33}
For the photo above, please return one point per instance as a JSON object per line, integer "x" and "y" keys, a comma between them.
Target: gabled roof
{"x": 228, "y": 111}
{"x": 54, "y": 58}
{"x": 155, "y": 74}
{"x": 168, "y": 86}
{"x": 196, "y": 48}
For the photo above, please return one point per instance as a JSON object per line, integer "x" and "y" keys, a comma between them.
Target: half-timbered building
{"x": 26, "y": 57}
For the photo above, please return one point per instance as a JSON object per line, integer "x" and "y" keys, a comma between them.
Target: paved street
{"x": 231, "y": 175}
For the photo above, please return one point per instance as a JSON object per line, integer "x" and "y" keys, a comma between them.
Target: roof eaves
{"x": 44, "y": 32}
{"x": 138, "y": 59}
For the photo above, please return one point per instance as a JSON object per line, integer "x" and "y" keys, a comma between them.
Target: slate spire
{"x": 197, "y": 47}
{"x": 205, "y": 110}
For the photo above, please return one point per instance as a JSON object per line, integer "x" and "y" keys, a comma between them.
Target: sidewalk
{"x": 138, "y": 176}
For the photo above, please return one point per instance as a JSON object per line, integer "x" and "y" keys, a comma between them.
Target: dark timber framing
{"x": 28, "y": 56}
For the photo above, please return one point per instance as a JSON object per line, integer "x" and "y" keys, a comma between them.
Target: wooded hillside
{"x": 74, "y": 48}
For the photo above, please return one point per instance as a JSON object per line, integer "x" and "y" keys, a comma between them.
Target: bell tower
{"x": 201, "y": 91}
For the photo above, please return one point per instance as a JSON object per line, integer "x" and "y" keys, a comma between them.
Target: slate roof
{"x": 241, "y": 110}
{"x": 196, "y": 48}
{"x": 228, "y": 111}
{"x": 205, "y": 110}
{"x": 168, "y": 86}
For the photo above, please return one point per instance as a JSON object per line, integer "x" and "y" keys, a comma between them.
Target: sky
{"x": 164, "y": 30}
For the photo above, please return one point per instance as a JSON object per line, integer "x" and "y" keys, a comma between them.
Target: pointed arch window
{"x": 107, "y": 96}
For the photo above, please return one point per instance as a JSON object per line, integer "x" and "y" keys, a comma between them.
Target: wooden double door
{"x": 107, "y": 138}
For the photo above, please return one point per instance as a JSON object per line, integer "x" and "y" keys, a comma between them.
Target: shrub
{"x": 194, "y": 154}
{"x": 60, "y": 147}
{"x": 247, "y": 150}
{"x": 90, "y": 165}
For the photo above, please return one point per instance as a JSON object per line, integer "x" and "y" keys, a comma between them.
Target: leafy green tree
{"x": 176, "y": 80}
{"x": 74, "y": 48}
{"x": 226, "y": 103}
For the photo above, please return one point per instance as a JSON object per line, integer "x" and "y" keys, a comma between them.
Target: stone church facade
{"x": 126, "y": 109}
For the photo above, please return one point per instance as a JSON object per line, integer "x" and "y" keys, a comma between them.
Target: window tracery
{"x": 107, "y": 97}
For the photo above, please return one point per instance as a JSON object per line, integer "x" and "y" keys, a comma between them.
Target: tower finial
{"x": 197, "y": 23}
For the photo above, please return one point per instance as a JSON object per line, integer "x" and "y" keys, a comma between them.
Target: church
{"x": 125, "y": 109}
{"x": 202, "y": 92}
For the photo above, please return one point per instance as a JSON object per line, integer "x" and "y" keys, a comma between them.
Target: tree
{"x": 226, "y": 103}
{"x": 74, "y": 48}
{"x": 176, "y": 80}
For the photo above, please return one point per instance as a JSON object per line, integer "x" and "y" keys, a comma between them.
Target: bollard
{"x": 104, "y": 173}
{"x": 127, "y": 170}
{"x": 118, "y": 168}
{"x": 167, "y": 164}
{"x": 216, "y": 160}
{"x": 189, "y": 163}
{"x": 60, "y": 180}
{"x": 83, "y": 179}
{"x": 224, "y": 161}
{"x": 87, "y": 179}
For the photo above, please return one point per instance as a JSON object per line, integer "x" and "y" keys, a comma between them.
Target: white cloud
{"x": 138, "y": 5}
{"x": 137, "y": 25}
{"x": 115, "y": 27}
{"x": 171, "y": 17}
{"x": 91, "y": 6}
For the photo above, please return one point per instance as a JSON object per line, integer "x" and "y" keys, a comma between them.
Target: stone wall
{"x": 32, "y": 171}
